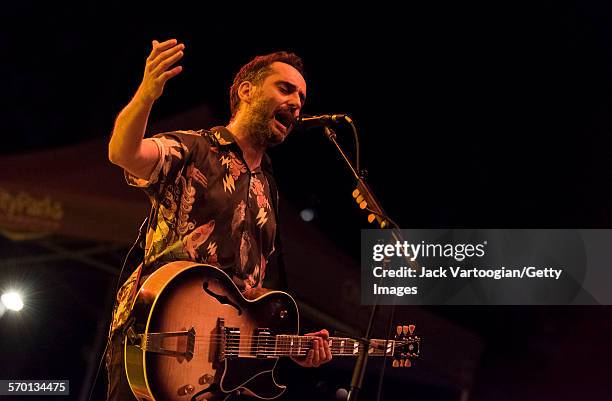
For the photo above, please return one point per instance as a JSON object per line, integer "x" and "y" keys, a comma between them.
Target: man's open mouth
{"x": 285, "y": 118}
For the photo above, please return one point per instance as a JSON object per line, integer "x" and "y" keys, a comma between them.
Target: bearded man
{"x": 213, "y": 197}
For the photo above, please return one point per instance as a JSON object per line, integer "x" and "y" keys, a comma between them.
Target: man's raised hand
{"x": 157, "y": 70}
{"x": 127, "y": 148}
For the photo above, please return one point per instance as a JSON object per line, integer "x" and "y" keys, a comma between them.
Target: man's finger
{"x": 323, "y": 333}
{"x": 169, "y": 74}
{"x": 165, "y": 55}
{"x": 160, "y": 47}
{"x": 322, "y": 353}
{"x": 316, "y": 348}
{"x": 328, "y": 355}
{"x": 164, "y": 65}
{"x": 309, "y": 358}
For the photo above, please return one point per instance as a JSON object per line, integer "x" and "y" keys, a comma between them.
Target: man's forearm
{"x": 129, "y": 130}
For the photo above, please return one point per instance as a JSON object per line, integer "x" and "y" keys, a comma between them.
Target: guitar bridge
{"x": 154, "y": 342}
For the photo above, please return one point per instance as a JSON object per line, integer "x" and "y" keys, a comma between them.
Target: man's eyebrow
{"x": 293, "y": 87}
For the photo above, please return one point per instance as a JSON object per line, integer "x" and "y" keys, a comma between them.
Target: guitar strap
{"x": 281, "y": 273}
{"x": 141, "y": 241}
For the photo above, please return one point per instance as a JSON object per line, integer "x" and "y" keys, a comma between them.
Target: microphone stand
{"x": 373, "y": 206}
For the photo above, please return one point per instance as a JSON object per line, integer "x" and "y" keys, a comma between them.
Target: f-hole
{"x": 221, "y": 298}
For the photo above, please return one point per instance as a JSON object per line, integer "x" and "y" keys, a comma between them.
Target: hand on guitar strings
{"x": 319, "y": 353}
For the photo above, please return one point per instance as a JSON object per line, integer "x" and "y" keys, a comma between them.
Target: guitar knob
{"x": 411, "y": 328}
{"x": 186, "y": 390}
{"x": 399, "y": 330}
{"x": 405, "y": 329}
{"x": 395, "y": 363}
{"x": 206, "y": 379}
{"x": 407, "y": 363}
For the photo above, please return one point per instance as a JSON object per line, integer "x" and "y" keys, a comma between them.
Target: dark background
{"x": 470, "y": 115}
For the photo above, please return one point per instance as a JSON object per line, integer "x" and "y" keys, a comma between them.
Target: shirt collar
{"x": 224, "y": 138}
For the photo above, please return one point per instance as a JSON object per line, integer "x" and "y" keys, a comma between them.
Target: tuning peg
{"x": 405, "y": 330}
{"x": 371, "y": 217}
{"x": 363, "y": 205}
{"x": 356, "y": 193}
{"x": 411, "y": 328}
{"x": 395, "y": 363}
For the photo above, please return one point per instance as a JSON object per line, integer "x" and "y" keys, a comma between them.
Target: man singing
{"x": 213, "y": 198}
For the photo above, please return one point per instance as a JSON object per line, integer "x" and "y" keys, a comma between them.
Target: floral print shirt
{"x": 208, "y": 207}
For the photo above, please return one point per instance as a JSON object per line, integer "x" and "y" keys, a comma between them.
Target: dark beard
{"x": 260, "y": 127}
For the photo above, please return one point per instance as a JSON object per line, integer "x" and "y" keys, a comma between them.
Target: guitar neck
{"x": 294, "y": 345}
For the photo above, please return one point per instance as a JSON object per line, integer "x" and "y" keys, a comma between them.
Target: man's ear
{"x": 246, "y": 91}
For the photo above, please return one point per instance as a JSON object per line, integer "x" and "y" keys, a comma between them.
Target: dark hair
{"x": 256, "y": 70}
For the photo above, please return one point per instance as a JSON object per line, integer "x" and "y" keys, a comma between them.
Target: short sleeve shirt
{"x": 207, "y": 207}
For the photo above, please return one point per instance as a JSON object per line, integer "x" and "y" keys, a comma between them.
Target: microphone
{"x": 324, "y": 120}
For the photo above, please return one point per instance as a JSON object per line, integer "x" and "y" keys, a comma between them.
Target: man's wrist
{"x": 141, "y": 100}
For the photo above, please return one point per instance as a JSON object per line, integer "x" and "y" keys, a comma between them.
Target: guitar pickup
{"x": 265, "y": 343}
{"x": 231, "y": 342}
{"x": 183, "y": 341}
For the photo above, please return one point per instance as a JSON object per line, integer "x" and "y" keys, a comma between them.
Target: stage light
{"x": 12, "y": 301}
{"x": 307, "y": 214}
{"x": 341, "y": 394}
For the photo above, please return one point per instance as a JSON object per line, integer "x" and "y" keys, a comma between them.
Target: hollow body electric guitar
{"x": 195, "y": 337}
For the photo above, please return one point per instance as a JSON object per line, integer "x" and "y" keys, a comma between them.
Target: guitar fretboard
{"x": 293, "y": 345}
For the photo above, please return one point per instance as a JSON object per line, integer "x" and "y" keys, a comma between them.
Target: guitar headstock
{"x": 407, "y": 346}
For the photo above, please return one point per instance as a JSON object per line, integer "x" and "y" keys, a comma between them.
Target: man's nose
{"x": 295, "y": 111}
{"x": 295, "y": 103}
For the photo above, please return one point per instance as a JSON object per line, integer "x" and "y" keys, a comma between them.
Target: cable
{"x": 384, "y": 362}
{"x": 357, "y": 148}
{"x": 127, "y": 256}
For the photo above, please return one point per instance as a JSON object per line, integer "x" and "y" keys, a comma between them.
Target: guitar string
{"x": 270, "y": 352}
{"x": 282, "y": 346}
{"x": 283, "y": 337}
{"x": 272, "y": 341}
{"x": 270, "y": 345}
{"x": 266, "y": 344}
{"x": 285, "y": 341}
{"x": 271, "y": 349}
